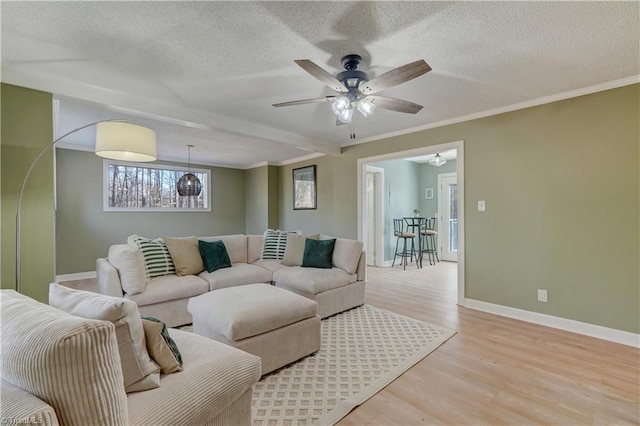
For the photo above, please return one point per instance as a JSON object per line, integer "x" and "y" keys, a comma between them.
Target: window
{"x": 135, "y": 187}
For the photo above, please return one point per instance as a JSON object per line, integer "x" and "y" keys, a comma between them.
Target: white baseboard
{"x": 600, "y": 332}
{"x": 77, "y": 276}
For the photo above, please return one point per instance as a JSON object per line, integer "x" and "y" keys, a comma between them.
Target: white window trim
{"x": 105, "y": 192}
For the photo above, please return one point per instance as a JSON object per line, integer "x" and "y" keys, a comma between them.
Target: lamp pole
{"x": 24, "y": 183}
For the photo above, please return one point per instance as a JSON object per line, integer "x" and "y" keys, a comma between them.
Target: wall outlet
{"x": 482, "y": 206}
{"x": 542, "y": 295}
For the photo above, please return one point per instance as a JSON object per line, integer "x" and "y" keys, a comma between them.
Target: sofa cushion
{"x": 131, "y": 268}
{"x": 215, "y": 376}
{"x": 312, "y": 280}
{"x": 346, "y": 254}
{"x": 236, "y": 246}
{"x": 295, "y": 248}
{"x": 254, "y": 247}
{"x": 140, "y": 373}
{"x": 275, "y": 243}
{"x": 318, "y": 253}
{"x": 157, "y": 258}
{"x": 18, "y": 406}
{"x": 171, "y": 287}
{"x": 185, "y": 255}
{"x": 69, "y": 362}
{"x": 270, "y": 265}
{"x": 215, "y": 255}
{"x": 238, "y": 274}
{"x": 161, "y": 346}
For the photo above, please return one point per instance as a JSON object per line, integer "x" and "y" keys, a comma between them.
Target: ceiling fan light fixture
{"x": 437, "y": 160}
{"x": 346, "y": 115}
{"x": 340, "y": 104}
{"x": 366, "y": 107}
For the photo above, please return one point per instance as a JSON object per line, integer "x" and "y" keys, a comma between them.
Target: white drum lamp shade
{"x": 125, "y": 141}
{"x": 116, "y": 140}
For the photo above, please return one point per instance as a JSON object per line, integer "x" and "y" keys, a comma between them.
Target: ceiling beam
{"x": 161, "y": 110}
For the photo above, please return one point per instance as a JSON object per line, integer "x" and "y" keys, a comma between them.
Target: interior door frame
{"x": 361, "y": 193}
{"x": 378, "y": 176}
{"x": 442, "y": 229}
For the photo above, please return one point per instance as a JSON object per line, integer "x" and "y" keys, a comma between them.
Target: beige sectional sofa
{"x": 59, "y": 368}
{"x": 335, "y": 289}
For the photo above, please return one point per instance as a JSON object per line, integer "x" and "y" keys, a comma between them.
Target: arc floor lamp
{"x": 115, "y": 139}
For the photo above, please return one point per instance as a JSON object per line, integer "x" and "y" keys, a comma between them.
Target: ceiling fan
{"x": 357, "y": 91}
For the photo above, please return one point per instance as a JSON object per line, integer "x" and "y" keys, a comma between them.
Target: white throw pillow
{"x": 130, "y": 265}
{"x": 140, "y": 373}
{"x": 346, "y": 254}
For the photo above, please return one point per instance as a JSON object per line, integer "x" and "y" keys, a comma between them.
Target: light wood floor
{"x": 496, "y": 370}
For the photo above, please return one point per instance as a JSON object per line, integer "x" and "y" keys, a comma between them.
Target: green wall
{"x": 85, "y": 232}
{"x": 262, "y": 198}
{"x": 401, "y": 196}
{"x": 336, "y": 188}
{"x": 429, "y": 179}
{"x": 256, "y": 196}
{"x": 273, "y": 210}
{"x": 561, "y": 182}
{"x": 27, "y": 128}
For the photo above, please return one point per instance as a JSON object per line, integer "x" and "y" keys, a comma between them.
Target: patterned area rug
{"x": 363, "y": 350}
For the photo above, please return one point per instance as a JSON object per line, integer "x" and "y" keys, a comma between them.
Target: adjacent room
{"x": 333, "y": 213}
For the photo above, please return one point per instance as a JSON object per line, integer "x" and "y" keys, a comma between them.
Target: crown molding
{"x": 300, "y": 159}
{"x": 509, "y": 108}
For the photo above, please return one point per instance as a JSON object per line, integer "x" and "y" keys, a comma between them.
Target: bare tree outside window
{"x": 132, "y": 187}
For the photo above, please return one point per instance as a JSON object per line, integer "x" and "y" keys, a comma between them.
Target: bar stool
{"x": 402, "y": 234}
{"x": 429, "y": 235}
{"x": 414, "y": 225}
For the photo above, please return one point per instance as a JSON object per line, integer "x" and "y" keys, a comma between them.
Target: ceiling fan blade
{"x": 322, "y": 75}
{"x": 394, "y": 104}
{"x": 306, "y": 101}
{"x": 394, "y": 77}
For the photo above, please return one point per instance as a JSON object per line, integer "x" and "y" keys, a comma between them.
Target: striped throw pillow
{"x": 275, "y": 244}
{"x": 157, "y": 259}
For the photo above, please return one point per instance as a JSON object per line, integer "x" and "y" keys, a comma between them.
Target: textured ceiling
{"x": 209, "y": 71}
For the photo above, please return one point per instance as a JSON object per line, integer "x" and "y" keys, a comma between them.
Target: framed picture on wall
{"x": 428, "y": 193}
{"x": 305, "y": 194}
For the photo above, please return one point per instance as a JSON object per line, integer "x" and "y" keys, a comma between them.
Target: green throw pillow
{"x": 214, "y": 254}
{"x": 318, "y": 253}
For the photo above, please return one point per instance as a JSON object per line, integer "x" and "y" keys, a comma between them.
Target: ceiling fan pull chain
{"x": 352, "y": 135}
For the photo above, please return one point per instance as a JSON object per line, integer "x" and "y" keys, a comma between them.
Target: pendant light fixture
{"x": 437, "y": 160}
{"x": 189, "y": 184}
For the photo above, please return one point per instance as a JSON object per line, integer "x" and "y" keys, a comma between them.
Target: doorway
{"x": 363, "y": 201}
{"x": 374, "y": 215}
{"x": 448, "y": 216}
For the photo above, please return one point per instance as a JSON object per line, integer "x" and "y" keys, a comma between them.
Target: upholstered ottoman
{"x": 275, "y": 324}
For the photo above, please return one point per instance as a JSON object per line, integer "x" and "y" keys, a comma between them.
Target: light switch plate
{"x": 481, "y": 206}
{"x": 542, "y": 295}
